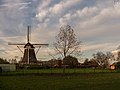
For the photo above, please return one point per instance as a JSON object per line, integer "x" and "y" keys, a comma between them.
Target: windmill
{"x": 29, "y": 55}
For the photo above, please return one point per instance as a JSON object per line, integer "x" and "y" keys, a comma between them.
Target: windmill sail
{"x": 29, "y": 55}
{"x": 28, "y": 30}
{"x": 11, "y": 43}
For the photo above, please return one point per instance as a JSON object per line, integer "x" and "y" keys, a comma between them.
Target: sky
{"x": 95, "y": 22}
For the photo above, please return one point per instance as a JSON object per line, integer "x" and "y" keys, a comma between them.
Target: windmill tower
{"x": 29, "y": 55}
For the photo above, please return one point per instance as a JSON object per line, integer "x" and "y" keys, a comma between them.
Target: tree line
{"x": 68, "y": 47}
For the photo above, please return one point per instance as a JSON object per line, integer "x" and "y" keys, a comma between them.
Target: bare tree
{"x": 66, "y": 42}
{"x": 102, "y": 59}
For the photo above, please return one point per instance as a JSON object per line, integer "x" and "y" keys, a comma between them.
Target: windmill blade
{"x": 20, "y": 49}
{"x": 41, "y": 44}
{"x": 28, "y": 33}
{"x": 10, "y": 43}
{"x": 38, "y": 49}
{"x": 51, "y": 55}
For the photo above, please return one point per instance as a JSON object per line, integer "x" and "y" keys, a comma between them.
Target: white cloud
{"x": 63, "y": 5}
{"x": 56, "y": 9}
{"x": 98, "y": 22}
{"x": 42, "y": 10}
{"x": 41, "y": 16}
{"x": 98, "y": 47}
{"x": 66, "y": 18}
{"x": 44, "y": 4}
{"x": 83, "y": 14}
{"x": 103, "y": 22}
{"x": 89, "y": 49}
{"x": 87, "y": 11}
{"x": 14, "y": 4}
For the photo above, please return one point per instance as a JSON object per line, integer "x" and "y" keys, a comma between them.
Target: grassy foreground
{"x": 58, "y": 71}
{"x": 82, "y": 81}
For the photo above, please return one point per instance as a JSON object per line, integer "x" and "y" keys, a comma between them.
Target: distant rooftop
{"x": 118, "y": 47}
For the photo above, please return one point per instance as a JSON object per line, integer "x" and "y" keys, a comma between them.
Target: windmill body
{"x": 29, "y": 55}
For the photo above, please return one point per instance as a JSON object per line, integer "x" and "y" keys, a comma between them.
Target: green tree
{"x": 3, "y": 61}
{"x": 118, "y": 65}
{"x": 71, "y": 61}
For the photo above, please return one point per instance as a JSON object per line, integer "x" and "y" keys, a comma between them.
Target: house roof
{"x": 118, "y": 48}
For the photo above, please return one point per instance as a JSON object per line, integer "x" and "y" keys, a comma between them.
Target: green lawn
{"x": 82, "y": 81}
{"x": 48, "y": 71}
{"x": 99, "y": 81}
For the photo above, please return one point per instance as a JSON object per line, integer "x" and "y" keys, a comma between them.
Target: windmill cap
{"x": 29, "y": 44}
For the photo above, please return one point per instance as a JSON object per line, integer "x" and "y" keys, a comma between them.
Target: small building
{"x": 113, "y": 66}
{"x": 7, "y": 67}
{"x": 116, "y": 53}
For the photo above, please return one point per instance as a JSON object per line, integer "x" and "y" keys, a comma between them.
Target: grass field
{"x": 57, "y": 71}
{"x": 82, "y": 81}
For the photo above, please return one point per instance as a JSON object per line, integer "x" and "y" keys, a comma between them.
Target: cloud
{"x": 12, "y": 25}
{"x": 96, "y": 23}
{"x": 11, "y": 17}
{"x": 55, "y": 11}
{"x": 14, "y": 5}
{"x": 98, "y": 47}
{"x": 88, "y": 49}
{"x": 63, "y": 6}
{"x": 42, "y": 10}
{"x": 42, "y": 15}
{"x": 80, "y": 15}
